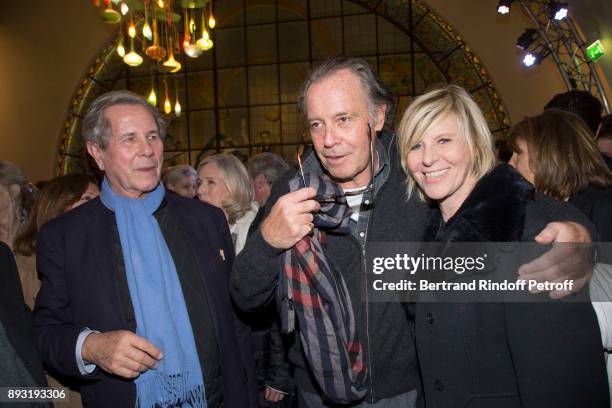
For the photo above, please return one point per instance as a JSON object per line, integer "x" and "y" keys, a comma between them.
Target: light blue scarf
{"x": 159, "y": 305}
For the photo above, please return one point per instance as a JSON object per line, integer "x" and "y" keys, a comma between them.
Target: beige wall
{"x": 48, "y": 46}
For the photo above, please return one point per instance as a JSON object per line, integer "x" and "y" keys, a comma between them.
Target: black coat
{"x": 508, "y": 354}
{"x": 270, "y": 348}
{"x": 596, "y": 204}
{"x": 15, "y": 317}
{"x": 608, "y": 160}
{"x": 84, "y": 285}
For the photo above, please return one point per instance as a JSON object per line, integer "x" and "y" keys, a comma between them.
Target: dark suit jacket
{"x": 596, "y": 203}
{"x": 15, "y": 317}
{"x": 84, "y": 285}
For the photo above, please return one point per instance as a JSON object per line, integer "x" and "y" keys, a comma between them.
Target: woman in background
{"x": 557, "y": 153}
{"x": 223, "y": 181}
{"x": 181, "y": 179}
{"x": 491, "y": 354}
{"x": 57, "y": 197}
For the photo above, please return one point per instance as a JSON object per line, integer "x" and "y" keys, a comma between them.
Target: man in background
{"x": 264, "y": 169}
{"x": 586, "y": 106}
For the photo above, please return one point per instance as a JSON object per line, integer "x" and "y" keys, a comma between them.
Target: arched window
{"x": 241, "y": 95}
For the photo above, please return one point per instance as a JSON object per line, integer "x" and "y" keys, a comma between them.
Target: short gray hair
{"x": 378, "y": 94}
{"x": 236, "y": 179}
{"x": 271, "y": 165}
{"x": 175, "y": 174}
{"x": 96, "y": 128}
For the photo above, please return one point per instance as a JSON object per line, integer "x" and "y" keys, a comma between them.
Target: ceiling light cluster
{"x": 558, "y": 10}
{"x": 535, "y": 51}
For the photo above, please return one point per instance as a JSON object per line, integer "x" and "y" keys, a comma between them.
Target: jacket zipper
{"x": 367, "y": 309}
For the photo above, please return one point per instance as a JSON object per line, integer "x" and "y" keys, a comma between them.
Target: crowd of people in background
{"x": 129, "y": 290}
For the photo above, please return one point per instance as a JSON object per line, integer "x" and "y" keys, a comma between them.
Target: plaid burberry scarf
{"x": 312, "y": 289}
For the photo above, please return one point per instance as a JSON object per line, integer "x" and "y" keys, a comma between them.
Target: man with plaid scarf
{"x": 310, "y": 254}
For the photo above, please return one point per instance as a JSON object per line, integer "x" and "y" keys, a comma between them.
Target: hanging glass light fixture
{"x": 146, "y": 31}
{"x": 164, "y": 12}
{"x": 190, "y": 49}
{"x": 177, "y": 105}
{"x": 132, "y": 58}
{"x": 211, "y": 18}
{"x": 171, "y": 63}
{"x": 120, "y": 48}
{"x": 204, "y": 43}
{"x": 109, "y": 14}
{"x": 124, "y": 8}
{"x": 132, "y": 29}
{"x": 167, "y": 104}
{"x": 155, "y": 51}
{"x": 152, "y": 99}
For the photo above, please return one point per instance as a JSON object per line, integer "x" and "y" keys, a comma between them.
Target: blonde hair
{"x": 563, "y": 153}
{"x": 236, "y": 179}
{"x": 428, "y": 110}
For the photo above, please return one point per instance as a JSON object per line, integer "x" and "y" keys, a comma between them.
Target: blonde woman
{"x": 223, "y": 181}
{"x": 491, "y": 354}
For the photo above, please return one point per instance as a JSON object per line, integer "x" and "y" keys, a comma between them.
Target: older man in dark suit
{"x": 134, "y": 297}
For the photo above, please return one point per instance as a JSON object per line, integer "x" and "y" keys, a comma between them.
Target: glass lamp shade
{"x": 152, "y": 99}
{"x": 132, "y": 59}
{"x": 173, "y": 64}
{"x": 192, "y": 50}
{"x": 121, "y": 50}
{"x": 111, "y": 16}
{"x": 204, "y": 43}
{"x": 156, "y": 52}
{"x": 146, "y": 31}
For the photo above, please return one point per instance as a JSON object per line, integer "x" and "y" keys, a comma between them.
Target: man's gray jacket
{"x": 385, "y": 329}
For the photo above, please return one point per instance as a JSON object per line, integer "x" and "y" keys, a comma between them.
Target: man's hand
{"x": 120, "y": 352}
{"x": 289, "y": 218}
{"x": 562, "y": 262}
{"x": 272, "y": 395}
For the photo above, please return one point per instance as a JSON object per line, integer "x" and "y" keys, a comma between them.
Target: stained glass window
{"x": 241, "y": 95}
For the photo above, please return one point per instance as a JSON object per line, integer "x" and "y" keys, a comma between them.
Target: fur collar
{"x": 493, "y": 212}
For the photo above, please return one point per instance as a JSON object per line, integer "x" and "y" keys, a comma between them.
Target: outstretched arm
{"x": 565, "y": 260}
